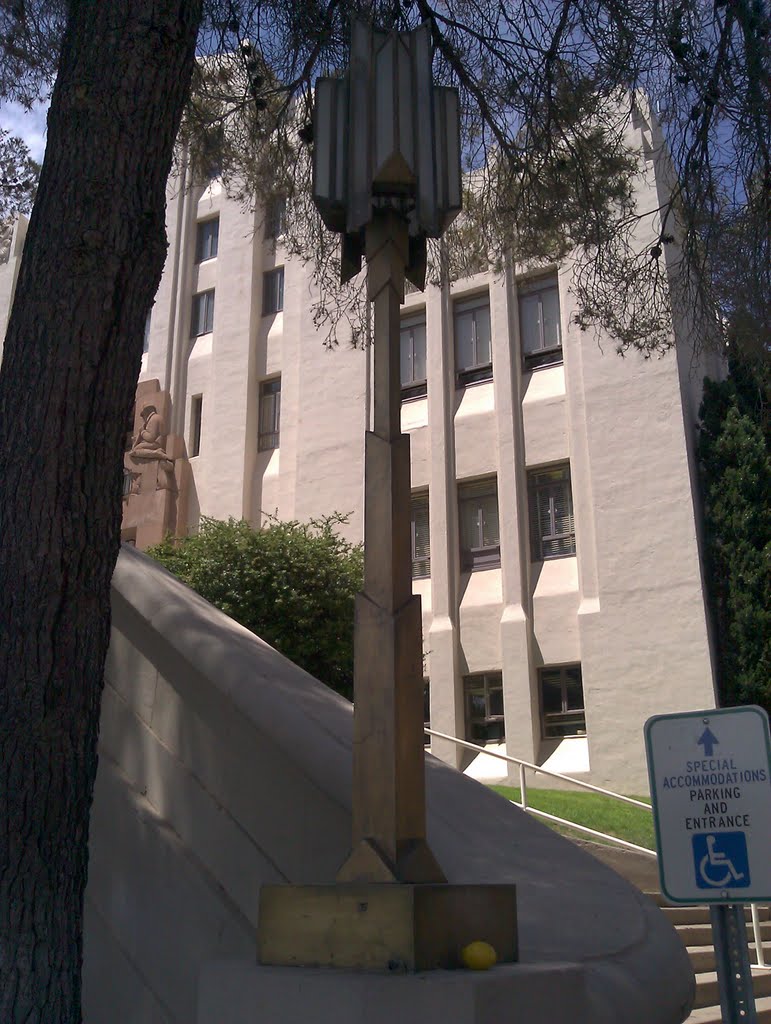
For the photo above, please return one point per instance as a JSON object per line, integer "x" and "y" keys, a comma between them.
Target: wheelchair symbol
{"x": 721, "y": 859}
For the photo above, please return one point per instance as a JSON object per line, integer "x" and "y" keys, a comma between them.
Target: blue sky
{"x": 30, "y": 125}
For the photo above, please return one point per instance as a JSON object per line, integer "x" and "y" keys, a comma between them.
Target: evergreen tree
{"x": 736, "y": 474}
{"x": 18, "y": 177}
{"x": 93, "y": 257}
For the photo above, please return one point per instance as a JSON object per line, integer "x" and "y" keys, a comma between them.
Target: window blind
{"x": 420, "y": 538}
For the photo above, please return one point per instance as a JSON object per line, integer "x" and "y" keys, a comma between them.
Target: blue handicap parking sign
{"x": 720, "y": 860}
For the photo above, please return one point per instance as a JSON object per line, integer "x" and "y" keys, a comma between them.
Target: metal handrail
{"x": 537, "y": 768}
{"x": 760, "y": 962}
{"x": 760, "y": 957}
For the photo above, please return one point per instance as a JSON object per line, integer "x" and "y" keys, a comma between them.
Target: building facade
{"x": 555, "y": 511}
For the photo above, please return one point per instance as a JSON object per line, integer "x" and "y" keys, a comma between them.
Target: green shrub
{"x": 291, "y": 583}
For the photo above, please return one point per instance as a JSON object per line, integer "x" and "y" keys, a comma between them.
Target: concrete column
{"x": 580, "y": 465}
{"x": 521, "y": 712}
{"x": 178, "y": 335}
{"x": 389, "y": 807}
{"x": 447, "y": 712}
{"x": 233, "y": 402}
{"x": 294, "y": 331}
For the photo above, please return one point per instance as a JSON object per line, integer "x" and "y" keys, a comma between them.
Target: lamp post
{"x": 386, "y": 177}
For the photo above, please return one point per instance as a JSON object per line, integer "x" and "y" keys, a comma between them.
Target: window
{"x": 473, "y": 355}
{"x": 196, "y": 413}
{"x": 480, "y": 538}
{"x": 207, "y": 240}
{"x": 270, "y": 414}
{"x": 419, "y": 537}
{"x": 275, "y": 217}
{"x": 213, "y": 169}
{"x": 413, "y": 356}
{"x": 552, "y": 532}
{"x": 273, "y": 291}
{"x": 207, "y": 155}
{"x": 539, "y": 323}
{"x": 562, "y": 701}
{"x": 202, "y": 320}
{"x": 484, "y": 708}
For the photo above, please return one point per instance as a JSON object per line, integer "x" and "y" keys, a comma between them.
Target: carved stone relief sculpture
{"x": 155, "y": 471}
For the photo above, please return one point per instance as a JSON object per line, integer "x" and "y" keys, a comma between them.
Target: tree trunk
{"x": 93, "y": 258}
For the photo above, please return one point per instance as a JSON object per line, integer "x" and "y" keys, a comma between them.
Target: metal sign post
{"x": 729, "y": 937}
{"x": 710, "y": 776}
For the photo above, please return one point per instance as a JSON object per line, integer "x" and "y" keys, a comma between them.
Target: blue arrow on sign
{"x": 708, "y": 740}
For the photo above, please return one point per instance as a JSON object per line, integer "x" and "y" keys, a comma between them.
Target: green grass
{"x": 591, "y": 809}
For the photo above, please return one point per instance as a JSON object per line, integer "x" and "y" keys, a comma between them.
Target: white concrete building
{"x": 555, "y": 508}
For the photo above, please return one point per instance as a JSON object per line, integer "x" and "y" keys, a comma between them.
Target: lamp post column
{"x": 385, "y": 136}
{"x": 389, "y": 815}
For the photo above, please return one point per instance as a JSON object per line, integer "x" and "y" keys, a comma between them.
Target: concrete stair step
{"x": 712, "y": 1014}
{"x": 703, "y": 957}
{"x": 657, "y": 898}
{"x": 700, "y": 914}
{"x": 660, "y": 900}
{"x": 701, "y": 934}
{"x": 708, "y": 993}
{"x": 693, "y": 926}
{"x": 687, "y": 915}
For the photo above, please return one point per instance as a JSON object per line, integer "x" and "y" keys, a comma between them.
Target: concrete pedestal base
{"x": 235, "y": 992}
{"x": 383, "y": 926}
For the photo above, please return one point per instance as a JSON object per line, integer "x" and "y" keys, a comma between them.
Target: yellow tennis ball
{"x": 479, "y": 956}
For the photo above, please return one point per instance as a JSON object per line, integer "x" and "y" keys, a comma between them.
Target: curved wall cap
{"x": 571, "y": 907}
